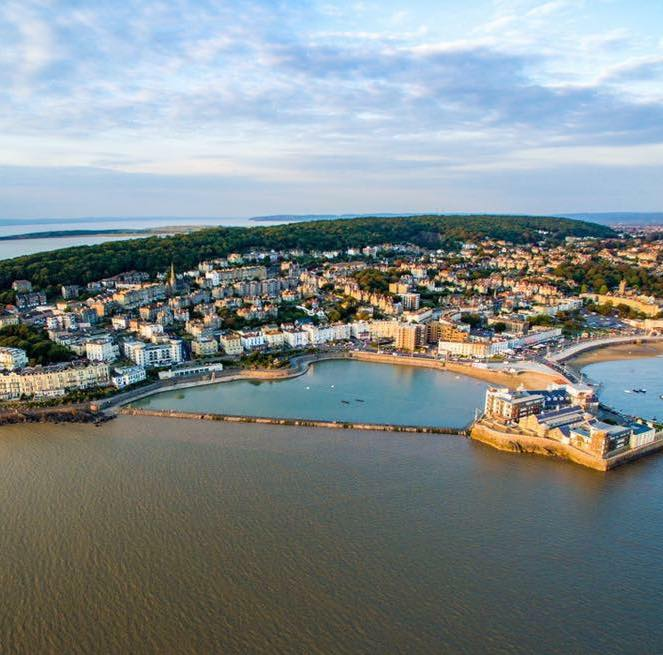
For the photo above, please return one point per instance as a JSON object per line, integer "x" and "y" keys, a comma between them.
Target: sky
{"x": 246, "y": 107}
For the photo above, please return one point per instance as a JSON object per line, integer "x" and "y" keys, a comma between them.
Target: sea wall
{"x": 299, "y": 422}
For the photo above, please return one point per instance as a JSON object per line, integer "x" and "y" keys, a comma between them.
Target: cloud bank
{"x": 237, "y": 108}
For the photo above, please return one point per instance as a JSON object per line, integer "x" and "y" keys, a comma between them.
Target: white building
{"x": 150, "y": 355}
{"x": 55, "y": 380}
{"x": 125, "y": 376}
{"x": 232, "y": 344}
{"x": 12, "y": 359}
{"x": 251, "y": 339}
{"x": 296, "y": 338}
{"x": 410, "y": 301}
{"x": 273, "y": 337}
{"x": 102, "y": 350}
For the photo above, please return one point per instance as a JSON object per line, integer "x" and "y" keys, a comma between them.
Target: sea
{"x": 633, "y": 386}
{"x": 19, "y": 247}
{"x": 155, "y": 535}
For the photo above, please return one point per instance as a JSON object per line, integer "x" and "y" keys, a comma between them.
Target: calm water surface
{"x": 619, "y": 376}
{"x": 344, "y": 391}
{"x": 19, "y": 247}
{"x": 167, "y": 536}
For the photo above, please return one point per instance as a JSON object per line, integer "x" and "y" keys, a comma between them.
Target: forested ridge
{"x": 83, "y": 264}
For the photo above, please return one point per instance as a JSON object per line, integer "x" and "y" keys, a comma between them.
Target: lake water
{"x": 343, "y": 391}
{"x": 619, "y": 376}
{"x": 166, "y": 536}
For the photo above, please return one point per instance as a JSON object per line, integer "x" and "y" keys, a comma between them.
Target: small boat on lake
{"x": 345, "y": 402}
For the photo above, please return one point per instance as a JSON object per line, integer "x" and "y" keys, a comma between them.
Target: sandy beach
{"x": 612, "y": 353}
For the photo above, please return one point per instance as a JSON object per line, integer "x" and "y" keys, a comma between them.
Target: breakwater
{"x": 307, "y": 423}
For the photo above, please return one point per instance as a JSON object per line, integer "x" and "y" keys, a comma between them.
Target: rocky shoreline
{"x": 52, "y": 415}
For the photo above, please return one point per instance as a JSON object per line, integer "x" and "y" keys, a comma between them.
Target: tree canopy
{"x": 84, "y": 264}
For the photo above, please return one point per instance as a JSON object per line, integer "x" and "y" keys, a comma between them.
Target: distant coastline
{"x": 146, "y": 232}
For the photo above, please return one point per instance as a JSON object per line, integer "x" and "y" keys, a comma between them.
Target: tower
{"x": 172, "y": 278}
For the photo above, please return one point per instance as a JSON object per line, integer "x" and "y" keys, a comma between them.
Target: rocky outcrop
{"x": 51, "y": 415}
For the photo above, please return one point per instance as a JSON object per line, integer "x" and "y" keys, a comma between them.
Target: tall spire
{"x": 172, "y": 278}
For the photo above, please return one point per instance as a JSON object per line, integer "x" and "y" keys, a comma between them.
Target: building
{"x": 549, "y": 414}
{"x": 7, "y": 318}
{"x": 455, "y": 332}
{"x": 30, "y": 300}
{"x": 187, "y": 370}
{"x": 70, "y": 291}
{"x": 205, "y": 346}
{"x": 153, "y": 355}
{"x": 251, "y": 339}
{"x": 476, "y": 348}
{"x": 12, "y": 359}
{"x": 232, "y": 344}
{"x": 508, "y": 406}
{"x": 102, "y": 350}
{"x": 22, "y": 286}
{"x": 410, "y": 301}
{"x": 136, "y": 296}
{"x": 273, "y": 337}
{"x": 296, "y": 338}
{"x": 55, "y": 380}
{"x": 125, "y": 376}
{"x": 410, "y": 336}
{"x": 647, "y": 306}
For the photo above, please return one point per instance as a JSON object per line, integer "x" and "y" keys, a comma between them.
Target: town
{"x": 487, "y": 304}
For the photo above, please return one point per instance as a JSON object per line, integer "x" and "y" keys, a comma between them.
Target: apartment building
{"x": 55, "y": 380}
{"x": 12, "y": 359}
{"x": 152, "y": 355}
{"x": 102, "y": 350}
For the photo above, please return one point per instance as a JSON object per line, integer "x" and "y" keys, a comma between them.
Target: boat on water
{"x": 627, "y": 391}
{"x": 639, "y": 390}
{"x": 359, "y": 400}
{"x": 345, "y": 402}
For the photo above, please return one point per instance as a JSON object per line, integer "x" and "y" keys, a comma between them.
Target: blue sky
{"x": 236, "y": 108}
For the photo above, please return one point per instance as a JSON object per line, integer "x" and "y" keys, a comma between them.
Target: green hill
{"x": 83, "y": 264}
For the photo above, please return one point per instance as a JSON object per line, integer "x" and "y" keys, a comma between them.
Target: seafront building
{"x": 54, "y": 380}
{"x": 565, "y": 414}
{"x": 126, "y": 376}
{"x": 12, "y": 359}
{"x": 153, "y": 355}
